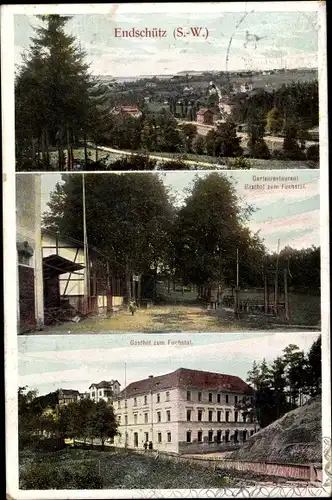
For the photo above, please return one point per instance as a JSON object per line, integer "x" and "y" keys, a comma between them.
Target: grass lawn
{"x": 118, "y": 470}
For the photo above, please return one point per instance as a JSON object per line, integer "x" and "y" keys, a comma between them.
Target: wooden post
{"x": 237, "y": 301}
{"x": 266, "y": 296}
{"x": 286, "y": 295}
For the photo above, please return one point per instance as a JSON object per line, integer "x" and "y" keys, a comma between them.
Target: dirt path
{"x": 157, "y": 319}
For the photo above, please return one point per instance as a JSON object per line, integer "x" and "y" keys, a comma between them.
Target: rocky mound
{"x": 294, "y": 438}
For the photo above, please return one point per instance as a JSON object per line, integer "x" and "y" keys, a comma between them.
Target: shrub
{"x": 46, "y": 476}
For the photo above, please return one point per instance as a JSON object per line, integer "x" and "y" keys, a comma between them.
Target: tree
{"x": 189, "y": 131}
{"x": 256, "y": 131}
{"x": 104, "y": 423}
{"x": 209, "y": 228}
{"x": 313, "y": 370}
{"x": 313, "y": 153}
{"x": 274, "y": 121}
{"x": 128, "y": 219}
{"x": 55, "y": 96}
{"x": 199, "y": 145}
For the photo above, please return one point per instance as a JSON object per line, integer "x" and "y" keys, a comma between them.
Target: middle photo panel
{"x": 166, "y": 252}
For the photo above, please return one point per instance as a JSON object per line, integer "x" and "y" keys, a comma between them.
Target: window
{"x": 168, "y": 415}
{"x": 227, "y": 436}
{"x": 210, "y": 436}
{"x": 93, "y": 395}
{"x": 119, "y": 404}
{"x": 126, "y": 420}
{"x": 146, "y": 418}
{"x": 188, "y": 436}
{"x": 119, "y": 419}
{"x": 210, "y": 397}
{"x": 236, "y": 416}
{"x": 188, "y": 396}
{"x": 158, "y": 416}
{"x": 251, "y": 433}
{"x": 227, "y": 416}
{"x": 218, "y": 416}
{"x": 167, "y": 396}
{"x": 100, "y": 393}
{"x": 146, "y": 434}
{"x": 226, "y": 398}
{"x": 188, "y": 415}
{"x": 159, "y": 437}
{"x": 218, "y": 436}
{"x": 169, "y": 437}
{"x": 218, "y": 398}
{"x": 199, "y": 396}
{"x": 210, "y": 415}
{"x": 135, "y": 418}
{"x": 199, "y": 436}
{"x": 135, "y": 401}
{"x": 145, "y": 400}
{"x": 235, "y": 400}
{"x": 199, "y": 415}
{"x": 158, "y": 398}
{"x": 126, "y": 404}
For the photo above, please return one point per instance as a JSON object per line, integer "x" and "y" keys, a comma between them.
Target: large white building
{"x": 186, "y": 411}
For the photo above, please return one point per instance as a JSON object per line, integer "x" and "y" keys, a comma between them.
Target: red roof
{"x": 185, "y": 378}
{"x": 202, "y": 111}
{"x": 130, "y": 109}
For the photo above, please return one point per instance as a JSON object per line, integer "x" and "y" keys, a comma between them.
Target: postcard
{"x": 166, "y": 250}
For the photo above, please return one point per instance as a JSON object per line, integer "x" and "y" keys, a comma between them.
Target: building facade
{"x": 205, "y": 116}
{"x": 106, "y": 390}
{"x": 67, "y": 396}
{"x": 186, "y": 411}
{"x": 30, "y": 304}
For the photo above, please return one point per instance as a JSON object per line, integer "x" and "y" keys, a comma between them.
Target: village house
{"x": 132, "y": 111}
{"x": 106, "y": 390}
{"x": 242, "y": 88}
{"x": 186, "y": 411}
{"x": 66, "y": 396}
{"x": 29, "y": 285}
{"x": 205, "y": 116}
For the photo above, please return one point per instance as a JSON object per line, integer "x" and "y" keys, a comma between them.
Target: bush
{"x": 48, "y": 476}
{"x": 313, "y": 153}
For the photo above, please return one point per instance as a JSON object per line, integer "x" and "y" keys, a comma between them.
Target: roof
{"x": 69, "y": 392}
{"x": 189, "y": 379}
{"x": 202, "y": 111}
{"x": 129, "y": 108}
{"x": 53, "y": 265}
{"x": 104, "y": 384}
{"x": 78, "y": 244}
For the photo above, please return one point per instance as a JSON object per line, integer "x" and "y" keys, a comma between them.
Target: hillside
{"x": 294, "y": 438}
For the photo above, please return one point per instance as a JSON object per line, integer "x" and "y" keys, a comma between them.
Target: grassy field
{"x": 117, "y": 470}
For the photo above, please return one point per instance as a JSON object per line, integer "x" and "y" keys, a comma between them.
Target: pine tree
{"x": 55, "y": 95}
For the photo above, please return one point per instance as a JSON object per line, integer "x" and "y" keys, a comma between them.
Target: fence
{"x": 305, "y": 472}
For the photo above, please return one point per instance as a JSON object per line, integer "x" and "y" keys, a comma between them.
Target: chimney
{"x": 150, "y": 376}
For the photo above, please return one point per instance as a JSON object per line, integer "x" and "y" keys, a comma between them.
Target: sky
{"x": 47, "y": 363}
{"x": 291, "y": 215}
{"x": 287, "y": 39}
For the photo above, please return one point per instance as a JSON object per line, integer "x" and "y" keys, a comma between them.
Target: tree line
{"x": 42, "y": 418}
{"x": 284, "y": 384}
{"x": 138, "y": 225}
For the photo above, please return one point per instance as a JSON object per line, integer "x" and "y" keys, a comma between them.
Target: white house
{"x": 106, "y": 390}
{"x": 186, "y": 411}
{"x": 29, "y": 283}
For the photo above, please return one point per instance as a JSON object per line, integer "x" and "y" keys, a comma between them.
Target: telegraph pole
{"x": 276, "y": 281}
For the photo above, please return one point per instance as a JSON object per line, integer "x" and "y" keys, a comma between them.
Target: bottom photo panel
{"x": 176, "y": 412}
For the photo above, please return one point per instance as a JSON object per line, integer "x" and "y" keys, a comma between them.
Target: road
{"x": 159, "y": 158}
{"x": 203, "y": 129}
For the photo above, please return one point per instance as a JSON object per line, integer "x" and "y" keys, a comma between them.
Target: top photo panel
{"x": 154, "y": 87}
